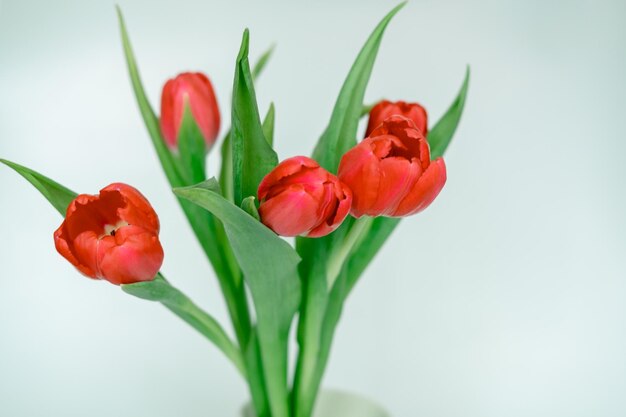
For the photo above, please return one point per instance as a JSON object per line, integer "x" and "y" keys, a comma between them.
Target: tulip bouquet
{"x": 340, "y": 204}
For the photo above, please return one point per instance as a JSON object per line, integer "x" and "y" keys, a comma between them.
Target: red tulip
{"x": 196, "y": 89}
{"x": 390, "y": 173}
{"x": 300, "y": 198}
{"x": 112, "y": 236}
{"x": 385, "y": 109}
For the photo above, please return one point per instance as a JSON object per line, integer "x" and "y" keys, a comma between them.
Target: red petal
{"x": 342, "y": 204}
{"x": 63, "y": 247}
{"x": 204, "y": 106}
{"x": 290, "y": 213}
{"x": 359, "y": 170}
{"x": 85, "y": 248}
{"x": 413, "y": 111}
{"x": 169, "y": 127}
{"x": 136, "y": 209}
{"x": 397, "y": 177}
{"x": 285, "y": 169}
{"x": 132, "y": 255}
{"x": 425, "y": 190}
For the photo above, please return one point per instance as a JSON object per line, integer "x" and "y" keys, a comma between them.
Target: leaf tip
{"x": 10, "y": 164}
{"x": 398, "y": 7}
{"x": 245, "y": 41}
{"x": 120, "y": 16}
{"x": 180, "y": 191}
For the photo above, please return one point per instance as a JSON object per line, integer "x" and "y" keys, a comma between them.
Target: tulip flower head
{"x": 300, "y": 198}
{"x": 112, "y": 236}
{"x": 385, "y": 109}
{"x": 390, "y": 172}
{"x": 195, "y": 90}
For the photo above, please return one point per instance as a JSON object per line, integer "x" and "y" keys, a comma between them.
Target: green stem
{"x": 318, "y": 285}
{"x": 309, "y": 334}
{"x": 340, "y": 254}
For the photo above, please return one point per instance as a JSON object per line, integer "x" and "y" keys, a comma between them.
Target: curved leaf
{"x": 149, "y": 117}
{"x": 269, "y": 267}
{"x": 441, "y": 134}
{"x": 59, "y": 196}
{"x": 340, "y": 135}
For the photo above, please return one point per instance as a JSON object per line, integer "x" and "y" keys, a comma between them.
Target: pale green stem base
{"x": 335, "y": 403}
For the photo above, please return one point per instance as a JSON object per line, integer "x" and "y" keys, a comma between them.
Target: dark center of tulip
{"x": 110, "y": 230}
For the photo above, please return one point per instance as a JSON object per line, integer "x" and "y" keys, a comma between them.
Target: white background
{"x": 507, "y": 297}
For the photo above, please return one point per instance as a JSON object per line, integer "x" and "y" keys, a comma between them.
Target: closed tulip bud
{"x": 390, "y": 173}
{"x": 300, "y": 198}
{"x": 385, "y": 109}
{"x": 195, "y": 90}
{"x": 112, "y": 236}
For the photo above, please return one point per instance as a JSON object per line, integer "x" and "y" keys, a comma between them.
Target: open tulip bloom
{"x": 341, "y": 204}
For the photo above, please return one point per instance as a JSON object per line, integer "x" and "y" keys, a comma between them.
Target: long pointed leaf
{"x": 269, "y": 265}
{"x": 340, "y": 135}
{"x": 149, "y": 117}
{"x": 441, "y": 134}
{"x": 253, "y": 157}
{"x": 226, "y": 150}
{"x": 59, "y": 196}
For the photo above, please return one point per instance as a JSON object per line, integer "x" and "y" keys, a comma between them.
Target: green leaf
{"x": 441, "y": 134}
{"x": 192, "y": 149}
{"x": 149, "y": 117}
{"x": 226, "y": 170}
{"x": 268, "y": 125}
{"x": 340, "y": 135}
{"x": 226, "y": 150}
{"x": 59, "y": 196}
{"x": 262, "y": 62}
{"x": 269, "y": 267}
{"x": 160, "y": 290}
{"x": 249, "y": 206}
{"x": 253, "y": 157}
